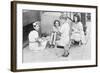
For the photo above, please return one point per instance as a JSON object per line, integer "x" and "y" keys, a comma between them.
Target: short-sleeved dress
{"x": 33, "y": 44}
{"x": 64, "y": 39}
{"x": 78, "y": 33}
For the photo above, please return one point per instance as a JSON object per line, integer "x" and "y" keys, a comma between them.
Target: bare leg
{"x": 66, "y": 51}
{"x": 66, "y": 48}
{"x": 54, "y": 38}
{"x": 51, "y": 38}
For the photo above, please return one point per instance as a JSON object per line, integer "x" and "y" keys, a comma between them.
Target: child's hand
{"x": 40, "y": 40}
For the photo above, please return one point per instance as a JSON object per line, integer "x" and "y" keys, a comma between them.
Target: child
{"x": 55, "y": 33}
{"x": 64, "y": 38}
{"x": 35, "y": 42}
{"x": 77, "y": 31}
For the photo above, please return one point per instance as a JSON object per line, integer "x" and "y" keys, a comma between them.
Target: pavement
{"x": 82, "y": 52}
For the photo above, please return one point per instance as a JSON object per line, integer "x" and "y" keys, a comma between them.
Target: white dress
{"x": 33, "y": 44}
{"x": 78, "y": 33}
{"x": 64, "y": 39}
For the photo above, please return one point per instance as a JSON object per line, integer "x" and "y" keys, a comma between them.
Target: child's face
{"x": 37, "y": 27}
{"x": 57, "y": 24}
{"x": 75, "y": 19}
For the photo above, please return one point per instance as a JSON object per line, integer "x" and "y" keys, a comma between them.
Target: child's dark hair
{"x": 34, "y": 24}
{"x": 56, "y": 21}
{"x": 78, "y": 18}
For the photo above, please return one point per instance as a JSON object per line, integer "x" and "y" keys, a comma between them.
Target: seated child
{"x": 77, "y": 31}
{"x": 55, "y": 33}
{"x": 35, "y": 42}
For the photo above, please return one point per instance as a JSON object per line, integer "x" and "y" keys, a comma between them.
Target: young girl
{"x": 55, "y": 33}
{"x": 77, "y": 30}
{"x": 64, "y": 38}
{"x": 35, "y": 42}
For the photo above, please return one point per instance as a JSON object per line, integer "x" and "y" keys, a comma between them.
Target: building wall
{"x": 47, "y": 20}
{"x": 29, "y": 16}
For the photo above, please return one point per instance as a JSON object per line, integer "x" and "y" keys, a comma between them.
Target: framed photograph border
{"x": 14, "y": 35}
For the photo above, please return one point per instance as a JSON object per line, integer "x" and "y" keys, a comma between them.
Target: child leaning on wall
{"x": 35, "y": 42}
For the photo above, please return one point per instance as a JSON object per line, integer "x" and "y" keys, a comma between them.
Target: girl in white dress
{"x": 35, "y": 42}
{"x": 77, "y": 30}
{"x": 64, "y": 38}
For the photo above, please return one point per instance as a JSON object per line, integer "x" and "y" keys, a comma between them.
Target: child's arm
{"x": 55, "y": 29}
{"x": 38, "y": 39}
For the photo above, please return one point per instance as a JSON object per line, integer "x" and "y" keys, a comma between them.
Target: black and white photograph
{"x": 54, "y": 36}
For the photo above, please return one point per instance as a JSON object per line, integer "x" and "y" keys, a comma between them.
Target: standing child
{"x": 64, "y": 39}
